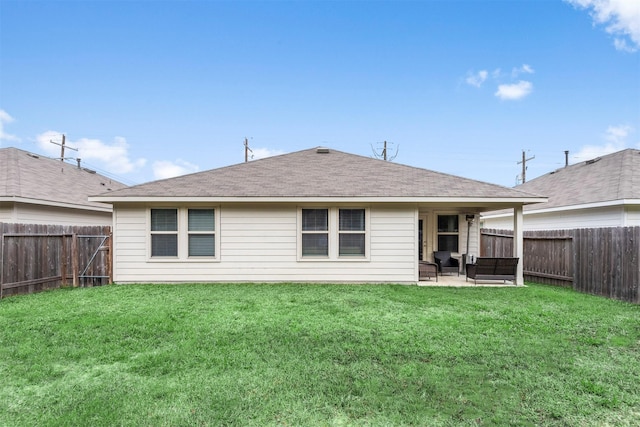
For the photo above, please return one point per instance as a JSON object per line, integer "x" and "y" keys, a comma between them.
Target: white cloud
{"x": 505, "y": 91}
{"x": 589, "y": 152}
{"x": 261, "y": 153}
{"x": 165, "y": 169}
{"x": 616, "y": 138}
{"x": 618, "y": 134}
{"x": 621, "y": 17}
{"x": 515, "y": 91}
{"x": 5, "y": 118}
{"x": 478, "y": 78}
{"x": 524, "y": 69}
{"x": 113, "y": 157}
{"x": 621, "y": 44}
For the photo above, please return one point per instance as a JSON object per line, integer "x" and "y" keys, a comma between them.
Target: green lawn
{"x": 292, "y": 354}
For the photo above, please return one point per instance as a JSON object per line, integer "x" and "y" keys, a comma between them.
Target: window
{"x": 333, "y": 233}
{"x": 164, "y": 232}
{"x": 184, "y": 233}
{"x": 448, "y": 233}
{"x": 351, "y": 240}
{"x": 315, "y": 232}
{"x": 202, "y": 238}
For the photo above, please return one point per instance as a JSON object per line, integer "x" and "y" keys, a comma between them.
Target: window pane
{"x": 448, "y": 243}
{"x": 202, "y": 245}
{"x": 315, "y": 219}
{"x": 448, "y": 223}
{"x": 164, "y": 220}
{"x": 351, "y": 244}
{"x": 351, "y": 219}
{"x": 164, "y": 245}
{"x": 201, "y": 220}
{"x": 315, "y": 245}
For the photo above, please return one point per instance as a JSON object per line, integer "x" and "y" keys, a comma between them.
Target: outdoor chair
{"x": 446, "y": 263}
{"x": 427, "y": 269}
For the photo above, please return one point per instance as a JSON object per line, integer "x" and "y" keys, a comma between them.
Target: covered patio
{"x": 456, "y": 229}
{"x": 453, "y": 280}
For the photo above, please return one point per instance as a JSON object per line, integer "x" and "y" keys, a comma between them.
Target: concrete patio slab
{"x": 452, "y": 280}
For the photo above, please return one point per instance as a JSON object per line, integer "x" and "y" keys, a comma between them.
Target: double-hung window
{"x": 183, "y": 233}
{"x": 351, "y": 232}
{"x": 202, "y": 238}
{"x": 315, "y": 232}
{"x": 333, "y": 233}
{"x": 448, "y": 233}
{"x": 164, "y": 232}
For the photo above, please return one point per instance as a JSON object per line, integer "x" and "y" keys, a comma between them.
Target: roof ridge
{"x": 31, "y": 176}
{"x": 327, "y": 173}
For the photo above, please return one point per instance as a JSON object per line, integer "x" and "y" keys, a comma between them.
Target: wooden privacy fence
{"x": 599, "y": 261}
{"x": 35, "y": 257}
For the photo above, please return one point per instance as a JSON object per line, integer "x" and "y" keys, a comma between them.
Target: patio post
{"x": 518, "y": 243}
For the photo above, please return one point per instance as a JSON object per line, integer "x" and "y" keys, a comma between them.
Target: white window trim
{"x": 183, "y": 235}
{"x": 446, "y": 233}
{"x": 152, "y": 233}
{"x": 334, "y": 236}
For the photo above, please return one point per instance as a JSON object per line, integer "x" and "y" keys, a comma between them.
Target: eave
{"x": 49, "y": 203}
{"x": 596, "y": 205}
{"x": 479, "y": 202}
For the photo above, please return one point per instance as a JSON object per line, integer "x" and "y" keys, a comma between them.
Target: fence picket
{"x": 599, "y": 261}
{"x": 38, "y": 257}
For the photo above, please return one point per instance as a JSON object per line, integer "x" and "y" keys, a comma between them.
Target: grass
{"x": 292, "y": 354}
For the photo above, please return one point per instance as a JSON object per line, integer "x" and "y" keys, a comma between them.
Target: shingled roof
{"x": 318, "y": 173}
{"x": 31, "y": 178}
{"x": 604, "y": 179}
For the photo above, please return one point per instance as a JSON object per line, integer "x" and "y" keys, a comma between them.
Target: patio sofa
{"x": 492, "y": 269}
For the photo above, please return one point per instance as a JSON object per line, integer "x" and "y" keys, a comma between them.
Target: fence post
{"x": 1, "y": 258}
{"x": 63, "y": 267}
{"x": 110, "y": 258}
{"x": 74, "y": 259}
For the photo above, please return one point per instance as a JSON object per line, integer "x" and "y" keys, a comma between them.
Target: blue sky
{"x": 152, "y": 89}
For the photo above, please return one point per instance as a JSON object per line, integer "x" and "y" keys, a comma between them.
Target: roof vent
{"x": 592, "y": 161}
{"x": 33, "y": 155}
{"x": 322, "y": 150}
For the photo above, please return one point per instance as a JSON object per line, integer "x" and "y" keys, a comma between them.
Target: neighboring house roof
{"x": 30, "y": 178}
{"x": 319, "y": 174}
{"x": 606, "y": 180}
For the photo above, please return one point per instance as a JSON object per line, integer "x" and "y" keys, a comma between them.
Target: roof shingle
{"x": 612, "y": 177}
{"x": 29, "y": 176}
{"x": 309, "y": 173}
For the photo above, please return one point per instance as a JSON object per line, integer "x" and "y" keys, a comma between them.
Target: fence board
{"x": 599, "y": 261}
{"x": 37, "y": 257}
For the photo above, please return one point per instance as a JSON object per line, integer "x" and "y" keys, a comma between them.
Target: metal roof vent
{"x": 592, "y": 161}
{"x": 322, "y": 150}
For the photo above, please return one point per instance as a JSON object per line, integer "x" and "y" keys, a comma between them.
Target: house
{"x": 602, "y": 192}
{"x": 317, "y": 215}
{"x": 41, "y": 190}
